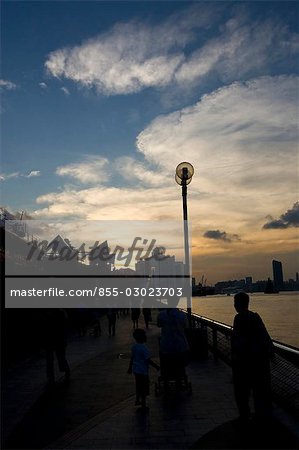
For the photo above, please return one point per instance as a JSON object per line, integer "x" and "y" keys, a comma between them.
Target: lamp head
{"x": 184, "y": 173}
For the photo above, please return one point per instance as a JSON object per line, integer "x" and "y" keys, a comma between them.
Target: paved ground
{"x": 96, "y": 409}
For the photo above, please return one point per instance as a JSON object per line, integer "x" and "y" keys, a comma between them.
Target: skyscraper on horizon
{"x": 277, "y": 274}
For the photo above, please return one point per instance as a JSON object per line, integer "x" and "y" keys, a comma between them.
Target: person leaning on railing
{"x": 252, "y": 349}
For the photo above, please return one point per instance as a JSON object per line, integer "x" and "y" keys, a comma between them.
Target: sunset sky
{"x": 101, "y": 101}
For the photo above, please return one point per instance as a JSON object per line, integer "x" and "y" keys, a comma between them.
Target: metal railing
{"x": 284, "y": 367}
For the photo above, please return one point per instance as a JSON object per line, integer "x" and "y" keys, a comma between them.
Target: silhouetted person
{"x": 81, "y": 321}
{"x": 135, "y": 314}
{"x": 252, "y": 349}
{"x": 55, "y": 340}
{"x": 111, "y": 315}
{"x": 96, "y": 323}
{"x": 147, "y": 315}
{"x": 139, "y": 365}
{"x": 174, "y": 346}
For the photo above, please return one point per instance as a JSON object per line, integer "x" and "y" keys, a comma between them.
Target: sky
{"x": 102, "y": 100}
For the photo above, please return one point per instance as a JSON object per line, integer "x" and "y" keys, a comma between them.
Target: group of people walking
{"x": 252, "y": 350}
{"x": 114, "y": 313}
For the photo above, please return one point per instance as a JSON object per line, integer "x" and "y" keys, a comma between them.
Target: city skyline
{"x": 101, "y": 101}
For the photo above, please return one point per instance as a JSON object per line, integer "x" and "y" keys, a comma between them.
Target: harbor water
{"x": 280, "y": 312}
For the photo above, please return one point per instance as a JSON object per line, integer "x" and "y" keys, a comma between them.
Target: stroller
{"x": 173, "y": 373}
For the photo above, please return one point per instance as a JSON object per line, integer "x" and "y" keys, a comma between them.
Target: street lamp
{"x": 183, "y": 176}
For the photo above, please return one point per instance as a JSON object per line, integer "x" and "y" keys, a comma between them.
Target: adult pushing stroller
{"x": 174, "y": 352}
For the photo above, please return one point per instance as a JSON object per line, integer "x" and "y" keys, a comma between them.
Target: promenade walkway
{"x": 96, "y": 409}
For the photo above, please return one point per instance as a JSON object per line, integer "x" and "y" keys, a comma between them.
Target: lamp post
{"x": 183, "y": 176}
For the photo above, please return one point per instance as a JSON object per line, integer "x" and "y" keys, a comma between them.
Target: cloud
{"x": 235, "y": 138}
{"x": 9, "y": 85}
{"x": 286, "y": 220}
{"x": 291, "y": 217}
{"x": 124, "y": 60}
{"x": 220, "y": 235}
{"x": 132, "y": 170}
{"x": 43, "y": 85}
{"x": 107, "y": 203}
{"x": 133, "y": 56}
{"x": 240, "y": 50}
{"x": 242, "y": 140}
{"x": 92, "y": 170}
{"x": 33, "y": 173}
{"x": 7, "y": 176}
{"x": 65, "y": 91}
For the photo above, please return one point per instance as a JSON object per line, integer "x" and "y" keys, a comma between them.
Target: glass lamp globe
{"x": 185, "y": 170}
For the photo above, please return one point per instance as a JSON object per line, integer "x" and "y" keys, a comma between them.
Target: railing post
{"x": 190, "y": 319}
{"x": 215, "y": 344}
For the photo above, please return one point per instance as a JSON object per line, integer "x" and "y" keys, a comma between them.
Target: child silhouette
{"x": 139, "y": 365}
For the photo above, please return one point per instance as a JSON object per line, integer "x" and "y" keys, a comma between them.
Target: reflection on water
{"x": 280, "y": 312}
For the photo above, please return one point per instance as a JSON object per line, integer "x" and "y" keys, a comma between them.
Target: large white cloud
{"x": 132, "y": 56}
{"x": 126, "y": 59}
{"x": 241, "y": 136}
{"x": 242, "y": 140}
